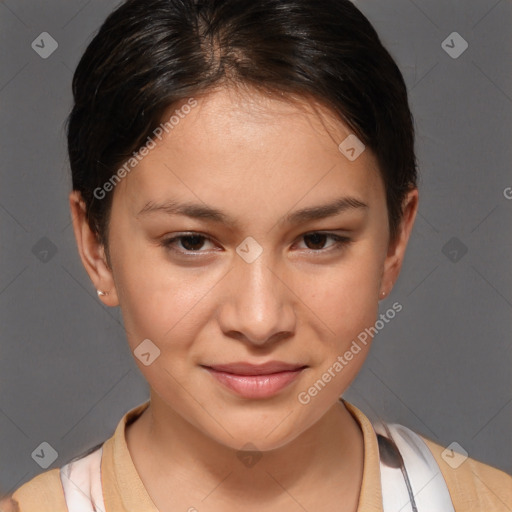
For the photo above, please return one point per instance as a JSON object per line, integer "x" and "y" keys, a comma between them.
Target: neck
{"x": 171, "y": 456}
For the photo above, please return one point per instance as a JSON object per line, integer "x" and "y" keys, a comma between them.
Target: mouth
{"x": 255, "y": 381}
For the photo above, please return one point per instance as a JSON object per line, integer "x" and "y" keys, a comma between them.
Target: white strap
{"x": 81, "y": 481}
{"x": 411, "y": 480}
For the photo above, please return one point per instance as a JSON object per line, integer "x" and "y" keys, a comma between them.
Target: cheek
{"x": 345, "y": 305}
{"x": 346, "y": 298}
{"x": 161, "y": 301}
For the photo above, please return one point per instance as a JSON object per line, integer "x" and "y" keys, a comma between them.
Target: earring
{"x": 101, "y": 293}
{"x": 382, "y": 294}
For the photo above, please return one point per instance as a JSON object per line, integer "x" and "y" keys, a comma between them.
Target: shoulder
{"x": 43, "y": 493}
{"x": 473, "y": 485}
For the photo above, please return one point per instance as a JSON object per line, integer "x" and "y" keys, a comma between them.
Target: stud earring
{"x": 101, "y": 293}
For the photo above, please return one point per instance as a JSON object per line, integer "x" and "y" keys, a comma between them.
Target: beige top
{"x": 473, "y": 486}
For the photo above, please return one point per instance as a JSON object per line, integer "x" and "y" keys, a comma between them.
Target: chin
{"x": 254, "y": 429}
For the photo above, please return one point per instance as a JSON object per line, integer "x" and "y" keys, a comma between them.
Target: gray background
{"x": 441, "y": 367}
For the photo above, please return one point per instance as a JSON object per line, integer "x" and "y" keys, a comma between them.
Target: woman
{"x": 244, "y": 188}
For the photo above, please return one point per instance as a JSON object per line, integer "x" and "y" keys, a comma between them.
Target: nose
{"x": 258, "y": 308}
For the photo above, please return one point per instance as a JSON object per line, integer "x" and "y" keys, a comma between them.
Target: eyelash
{"x": 340, "y": 243}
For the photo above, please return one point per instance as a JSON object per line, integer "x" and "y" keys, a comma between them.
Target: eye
{"x": 191, "y": 243}
{"x": 317, "y": 241}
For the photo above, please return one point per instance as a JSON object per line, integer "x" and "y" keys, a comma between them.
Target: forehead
{"x": 245, "y": 147}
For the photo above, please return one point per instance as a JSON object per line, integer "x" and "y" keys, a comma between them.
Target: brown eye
{"x": 189, "y": 243}
{"x": 192, "y": 242}
{"x": 316, "y": 241}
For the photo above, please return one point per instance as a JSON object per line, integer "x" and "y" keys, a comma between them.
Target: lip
{"x": 256, "y": 381}
{"x": 244, "y": 368}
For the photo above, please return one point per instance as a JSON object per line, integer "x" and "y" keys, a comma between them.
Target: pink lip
{"x": 256, "y": 381}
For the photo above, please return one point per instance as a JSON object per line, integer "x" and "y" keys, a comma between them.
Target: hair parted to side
{"x": 150, "y": 55}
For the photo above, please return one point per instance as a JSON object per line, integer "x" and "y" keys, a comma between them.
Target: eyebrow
{"x": 205, "y": 212}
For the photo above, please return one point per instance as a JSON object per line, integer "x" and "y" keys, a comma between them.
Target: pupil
{"x": 318, "y": 238}
{"x": 196, "y": 241}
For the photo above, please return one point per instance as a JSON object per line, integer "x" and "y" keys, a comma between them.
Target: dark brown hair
{"x": 152, "y": 54}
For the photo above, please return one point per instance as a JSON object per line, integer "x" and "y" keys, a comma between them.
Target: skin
{"x": 9, "y": 505}
{"x": 256, "y": 158}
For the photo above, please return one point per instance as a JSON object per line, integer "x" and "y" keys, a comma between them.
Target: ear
{"x": 92, "y": 251}
{"x": 396, "y": 249}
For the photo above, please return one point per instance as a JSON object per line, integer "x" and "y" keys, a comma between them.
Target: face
{"x": 259, "y": 270}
